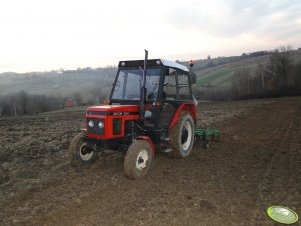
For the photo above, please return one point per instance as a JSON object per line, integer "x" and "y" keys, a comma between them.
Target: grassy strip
{"x": 209, "y": 78}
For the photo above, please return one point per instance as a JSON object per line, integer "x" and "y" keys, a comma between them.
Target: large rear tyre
{"x": 138, "y": 159}
{"x": 182, "y": 136}
{"x": 80, "y": 154}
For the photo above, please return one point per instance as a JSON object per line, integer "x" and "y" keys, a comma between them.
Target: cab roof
{"x": 152, "y": 62}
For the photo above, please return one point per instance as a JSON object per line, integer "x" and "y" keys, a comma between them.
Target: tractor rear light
{"x": 122, "y": 63}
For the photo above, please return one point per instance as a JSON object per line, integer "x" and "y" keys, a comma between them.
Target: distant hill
{"x": 218, "y": 72}
{"x": 89, "y": 82}
{"x": 86, "y": 81}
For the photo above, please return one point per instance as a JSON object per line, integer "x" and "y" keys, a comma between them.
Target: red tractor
{"x": 151, "y": 108}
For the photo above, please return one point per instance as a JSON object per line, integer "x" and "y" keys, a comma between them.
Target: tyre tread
{"x": 174, "y": 135}
{"x": 131, "y": 157}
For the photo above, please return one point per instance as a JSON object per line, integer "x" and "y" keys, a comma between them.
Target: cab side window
{"x": 170, "y": 84}
{"x": 184, "y": 88}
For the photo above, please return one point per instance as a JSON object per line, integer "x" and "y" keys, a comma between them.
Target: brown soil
{"x": 257, "y": 164}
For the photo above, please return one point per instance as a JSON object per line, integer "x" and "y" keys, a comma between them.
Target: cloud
{"x": 44, "y": 35}
{"x": 229, "y": 19}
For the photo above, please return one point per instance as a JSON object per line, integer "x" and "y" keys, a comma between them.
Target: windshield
{"x": 127, "y": 86}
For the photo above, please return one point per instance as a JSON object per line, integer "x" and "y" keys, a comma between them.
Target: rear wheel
{"x": 182, "y": 136}
{"x": 138, "y": 159}
{"x": 80, "y": 154}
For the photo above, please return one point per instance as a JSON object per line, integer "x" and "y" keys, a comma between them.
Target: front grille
{"x": 117, "y": 126}
{"x": 95, "y": 129}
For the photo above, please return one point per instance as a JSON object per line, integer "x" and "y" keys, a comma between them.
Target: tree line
{"x": 280, "y": 76}
{"x": 24, "y": 103}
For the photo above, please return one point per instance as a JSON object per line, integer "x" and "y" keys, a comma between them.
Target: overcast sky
{"x": 38, "y": 35}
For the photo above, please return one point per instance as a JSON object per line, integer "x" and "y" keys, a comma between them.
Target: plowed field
{"x": 257, "y": 164}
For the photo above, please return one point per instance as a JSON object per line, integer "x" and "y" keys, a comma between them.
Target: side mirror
{"x": 192, "y": 77}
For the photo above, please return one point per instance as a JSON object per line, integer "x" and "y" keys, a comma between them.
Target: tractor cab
{"x": 150, "y": 108}
{"x": 167, "y": 86}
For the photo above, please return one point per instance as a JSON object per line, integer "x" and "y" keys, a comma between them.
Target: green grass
{"x": 217, "y": 77}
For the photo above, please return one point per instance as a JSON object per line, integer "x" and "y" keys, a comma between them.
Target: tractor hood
{"x": 113, "y": 108}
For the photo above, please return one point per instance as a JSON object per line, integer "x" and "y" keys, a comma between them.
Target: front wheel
{"x": 138, "y": 159}
{"x": 80, "y": 154}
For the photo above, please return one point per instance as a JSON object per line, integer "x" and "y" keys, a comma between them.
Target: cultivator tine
{"x": 206, "y": 136}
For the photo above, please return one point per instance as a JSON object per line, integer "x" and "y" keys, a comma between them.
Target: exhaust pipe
{"x": 143, "y": 89}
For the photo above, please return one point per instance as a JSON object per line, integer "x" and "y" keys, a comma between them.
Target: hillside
{"x": 90, "y": 82}
{"x": 221, "y": 74}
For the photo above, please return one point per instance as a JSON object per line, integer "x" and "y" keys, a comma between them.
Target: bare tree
{"x": 24, "y": 103}
{"x": 297, "y": 78}
{"x": 78, "y": 98}
{"x": 261, "y": 80}
{"x": 23, "y": 100}
{"x": 280, "y": 68}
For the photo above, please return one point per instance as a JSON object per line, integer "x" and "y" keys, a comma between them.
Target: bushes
{"x": 23, "y": 103}
{"x": 280, "y": 76}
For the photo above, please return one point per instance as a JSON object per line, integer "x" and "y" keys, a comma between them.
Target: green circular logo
{"x": 282, "y": 214}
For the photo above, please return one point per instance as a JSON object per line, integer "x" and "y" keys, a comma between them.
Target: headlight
{"x": 91, "y": 123}
{"x": 100, "y": 124}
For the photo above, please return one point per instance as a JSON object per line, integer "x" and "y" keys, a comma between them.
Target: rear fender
{"x": 190, "y": 107}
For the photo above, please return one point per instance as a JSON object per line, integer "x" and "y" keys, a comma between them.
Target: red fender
{"x": 190, "y": 107}
{"x": 146, "y": 138}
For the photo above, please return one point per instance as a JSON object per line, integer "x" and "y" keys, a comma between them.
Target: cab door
{"x": 176, "y": 90}
{"x": 169, "y": 98}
